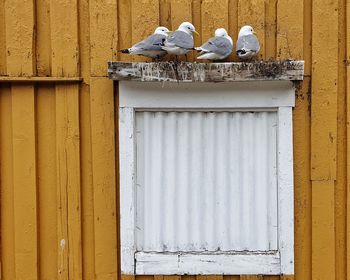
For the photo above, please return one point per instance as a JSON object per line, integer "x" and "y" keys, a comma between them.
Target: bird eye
{"x": 188, "y": 27}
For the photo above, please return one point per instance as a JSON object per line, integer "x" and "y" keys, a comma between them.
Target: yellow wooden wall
{"x": 58, "y": 148}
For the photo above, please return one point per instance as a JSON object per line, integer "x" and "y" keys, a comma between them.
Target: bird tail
{"x": 124, "y": 51}
{"x": 241, "y": 52}
{"x": 160, "y": 44}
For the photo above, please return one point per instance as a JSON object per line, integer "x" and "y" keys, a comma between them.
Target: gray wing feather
{"x": 219, "y": 45}
{"x": 249, "y": 42}
{"x": 180, "y": 39}
{"x": 151, "y": 43}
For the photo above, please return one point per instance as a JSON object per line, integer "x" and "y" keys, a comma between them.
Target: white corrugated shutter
{"x": 206, "y": 181}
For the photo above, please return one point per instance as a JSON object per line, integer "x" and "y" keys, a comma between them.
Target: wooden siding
{"x": 58, "y": 152}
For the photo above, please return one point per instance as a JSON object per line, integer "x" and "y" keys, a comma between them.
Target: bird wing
{"x": 218, "y": 45}
{"x": 248, "y": 43}
{"x": 151, "y": 43}
{"x": 179, "y": 39}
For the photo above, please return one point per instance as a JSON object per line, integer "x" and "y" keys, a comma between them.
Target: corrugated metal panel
{"x": 206, "y": 181}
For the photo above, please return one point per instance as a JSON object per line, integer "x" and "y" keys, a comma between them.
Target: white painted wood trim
{"x": 214, "y": 264}
{"x": 207, "y": 95}
{"x": 285, "y": 190}
{"x": 206, "y": 264}
{"x": 127, "y": 189}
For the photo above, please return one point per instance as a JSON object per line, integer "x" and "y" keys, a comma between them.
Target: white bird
{"x": 181, "y": 41}
{"x": 218, "y": 47}
{"x": 247, "y": 43}
{"x": 151, "y": 46}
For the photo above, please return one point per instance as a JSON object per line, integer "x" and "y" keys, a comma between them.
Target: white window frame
{"x": 239, "y": 96}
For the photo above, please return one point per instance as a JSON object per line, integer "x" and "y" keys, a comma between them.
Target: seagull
{"x": 218, "y": 47}
{"x": 247, "y": 43}
{"x": 181, "y": 41}
{"x": 151, "y": 46}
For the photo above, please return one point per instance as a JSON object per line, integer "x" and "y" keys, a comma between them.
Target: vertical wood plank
{"x": 7, "y": 228}
{"x": 87, "y": 205}
{"x": 231, "y": 277}
{"x": 251, "y": 277}
{"x": 289, "y": 25}
{"x": 24, "y": 181}
{"x": 43, "y": 40}
{"x": 214, "y": 14}
{"x": 324, "y": 136}
{"x": 289, "y": 29}
{"x": 84, "y": 40}
{"x": 87, "y": 195}
{"x": 148, "y": 277}
{"x": 183, "y": 277}
{"x": 324, "y": 90}
{"x": 158, "y": 277}
{"x": 64, "y": 38}
{"x": 340, "y": 183}
{"x": 252, "y": 12}
{"x": 215, "y": 277}
{"x": 103, "y": 35}
{"x": 181, "y": 10}
{"x": 145, "y": 19}
{"x": 19, "y": 18}
{"x": 124, "y": 28}
{"x": 165, "y": 13}
{"x": 2, "y": 39}
{"x": 347, "y": 32}
{"x": 65, "y": 62}
{"x": 197, "y": 21}
{"x": 323, "y": 237}
{"x": 127, "y": 277}
{"x": 172, "y": 277}
{"x": 307, "y": 48}
{"x": 302, "y": 152}
{"x": 270, "y": 29}
{"x": 302, "y": 183}
{"x": 68, "y": 182}
{"x": 46, "y": 166}
{"x": 233, "y": 25}
{"x": 103, "y": 166}
{"x": 287, "y": 277}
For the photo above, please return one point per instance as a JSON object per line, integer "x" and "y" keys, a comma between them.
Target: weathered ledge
{"x": 288, "y": 70}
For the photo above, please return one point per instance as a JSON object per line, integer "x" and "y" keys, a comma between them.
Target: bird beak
{"x": 169, "y": 32}
{"x": 254, "y": 32}
{"x": 195, "y": 32}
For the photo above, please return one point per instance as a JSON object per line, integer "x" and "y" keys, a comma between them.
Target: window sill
{"x": 169, "y": 71}
{"x": 267, "y": 263}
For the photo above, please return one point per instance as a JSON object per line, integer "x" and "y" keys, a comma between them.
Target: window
{"x": 206, "y": 178}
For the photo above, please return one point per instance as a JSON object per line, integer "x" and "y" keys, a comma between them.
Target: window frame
{"x": 252, "y": 96}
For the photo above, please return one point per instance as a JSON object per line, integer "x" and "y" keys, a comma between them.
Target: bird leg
{"x": 157, "y": 58}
